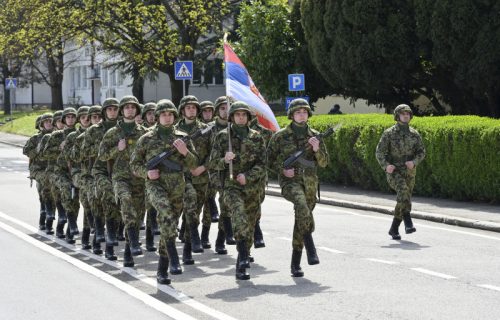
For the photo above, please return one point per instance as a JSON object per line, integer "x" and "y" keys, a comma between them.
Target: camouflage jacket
{"x": 29, "y": 150}
{"x": 266, "y": 133}
{"x": 80, "y": 156}
{"x": 47, "y": 166}
{"x": 250, "y": 158}
{"x": 90, "y": 147}
{"x": 66, "y": 155}
{"x": 283, "y": 144}
{"x": 150, "y": 145}
{"x": 398, "y": 144}
{"x": 119, "y": 161}
{"x": 202, "y": 147}
{"x": 52, "y": 150}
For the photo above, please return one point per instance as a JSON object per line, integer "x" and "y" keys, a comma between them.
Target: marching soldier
{"x": 148, "y": 115}
{"x": 116, "y": 148}
{"x": 399, "y": 151}
{"x": 241, "y": 195}
{"x": 165, "y": 185}
{"x": 299, "y": 183}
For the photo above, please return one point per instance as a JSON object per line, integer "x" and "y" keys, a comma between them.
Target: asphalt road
{"x": 440, "y": 272}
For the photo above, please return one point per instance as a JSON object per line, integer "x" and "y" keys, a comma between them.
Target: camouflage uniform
{"x": 166, "y": 193}
{"x": 242, "y": 201}
{"x": 128, "y": 188}
{"x": 302, "y": 188}
{"x": 398, "y": 144}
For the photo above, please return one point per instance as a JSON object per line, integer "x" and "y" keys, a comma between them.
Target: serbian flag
{"x": 239, "y": 86}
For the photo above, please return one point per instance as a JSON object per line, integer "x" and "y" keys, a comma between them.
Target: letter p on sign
{"x": 296, "y": 82}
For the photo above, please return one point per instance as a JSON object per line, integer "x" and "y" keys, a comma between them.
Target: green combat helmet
{"x": 166, "y": 105}
{"x": 66, "y": 112}
{"x": 189, "y": 100}
{"x": 108, "y": 103}
{"x": 207, "y": 105}
{"x": 38, "y": 122}
{"x": 240, "y": 106}
{"x": 95, "y": 110}
{"x": 147, "y": 107}
{"x": 45, "y": 116}
{"x": 83, "y": 110}
{"x": 220, "y": 100}
{"x": 400, "y": 109}
{"x": 57, "y": 115}
{"x": 132, "y": 100}
{"x": 296, "y": 104}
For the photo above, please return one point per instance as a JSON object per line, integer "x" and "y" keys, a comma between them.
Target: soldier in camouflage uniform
{"x": 101, "y": 171}
{"x": 165, "y": 185}
{"x": 241, "y": 195}
{"x": 196, "y": 179}
{"x": 148, "y": 115}
{"x": 29, "y": 150}
{"x": 116, "y": 148}
{"x": 258, "y": 239}
{"x": 225, "y": 232}
{"x": 87, "y": 183}
{"x": 299, "y": 184}
{"x": 399, "y": 151}
{"x": 51, "y": 151}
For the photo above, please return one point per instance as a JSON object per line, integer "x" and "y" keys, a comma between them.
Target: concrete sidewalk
{"x": 464, "y": 214}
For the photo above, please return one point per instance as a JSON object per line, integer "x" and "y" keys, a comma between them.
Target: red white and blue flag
{"x": 239, "y": 86}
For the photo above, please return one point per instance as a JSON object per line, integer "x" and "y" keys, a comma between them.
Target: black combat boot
{"x": 72, "y": 225}
{"x": 241, "y": 273}
{"x": 312, "y": 256}
{"x": 182, "y": 230}
{"x": 133, "y": 237}
{"x": 214, "y": 211}
{"x": 241, "y": 246}
{"x": 48, "y": 227}
{"x": 162, "y": 273}
{"x": 204, "y": 237}
{"x": 43, "y": 217}
{"x": 150, "y": 240}
{"x": 96, "y": 246}
{"x": 173, "y": 257}
{"x": 228, "y": 229}
{"x": 69, "y": 237}
{"x": 110, "y": 252}
{"x": 152, "y": 216}
{"x": 86, "y": 239}
{"x": 99, "y": 229}
{"x": 220, "y": 248}
{"x": 394, "y": 230}
{"x": 258, "y": 237}
{"x": 120, "y": 235}
{"x": 187, "y": 257}
{"x": 409, "y": 228}
{"x": 128, "y": 260}
{"x": 111, "y": 231}
{"x": 195, "y": 239}
{"x": 295, "y": 268}
{"x": 60, "y": 230}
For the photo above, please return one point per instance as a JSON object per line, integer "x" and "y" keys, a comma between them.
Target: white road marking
{"x": 488, "y": 286}
{"x": 382, "y": 261}
{"x": 139, "y": 276}
{"x": 433, "y": 273}
{"x": 128, "y": 289}
{"x": 284, "y": 238}
{"x": 331, "y": 250}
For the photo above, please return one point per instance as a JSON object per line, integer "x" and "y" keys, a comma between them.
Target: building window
{"x": 104, "y": 76}
{"x": 210, "y": 73}
{"x": 72, "y": 78}
{"x": 119, "y": 75}
{"x": 83, "y": 74}
{"x": 112, "y": 78}
{"x": 78, "y": 84}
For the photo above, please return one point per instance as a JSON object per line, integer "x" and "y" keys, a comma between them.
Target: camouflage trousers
{"x": 304, "y": 201}
{"x": 70, "y": 200}
{"x": 149, "y": 218}
{"x": 243, "y": 205}
{"x": 84, "y": 185}
{"x": 130, "y": 192}
{"x": 194, "y": 198}
{"x": 207, "y": 215}
{"x": 43, "y": 188}
{"x": 402, "y": 182}
{"x": 168, "y": 201}
{"x": 106, "y": 196}
{"x": 262, "y": 196}
{"x": 223, "y": 211}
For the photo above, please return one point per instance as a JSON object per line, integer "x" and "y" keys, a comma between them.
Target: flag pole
{"x": 229, "y": 142}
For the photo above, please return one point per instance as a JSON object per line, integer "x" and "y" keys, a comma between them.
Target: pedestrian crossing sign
{"x": 183, "y": 70}
{"x": 10, "y": 83}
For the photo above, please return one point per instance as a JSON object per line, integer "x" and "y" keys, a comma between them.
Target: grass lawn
{"x": 22, "y": 123}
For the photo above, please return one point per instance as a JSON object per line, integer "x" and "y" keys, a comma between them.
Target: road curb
{"x": 12, "y": 144}
{"x": 451, "y": 220}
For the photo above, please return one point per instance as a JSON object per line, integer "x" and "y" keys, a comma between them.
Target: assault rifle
{"x": 297, "y": 155}
{"x": 162, "y": 158}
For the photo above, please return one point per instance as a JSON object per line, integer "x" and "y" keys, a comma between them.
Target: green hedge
{"x": 462, "y": 162}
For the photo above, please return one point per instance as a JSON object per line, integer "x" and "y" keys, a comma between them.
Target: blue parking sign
{"x": 296, "y": 82}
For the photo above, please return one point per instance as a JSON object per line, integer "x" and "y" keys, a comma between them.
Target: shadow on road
{"x": 405, "y": 245}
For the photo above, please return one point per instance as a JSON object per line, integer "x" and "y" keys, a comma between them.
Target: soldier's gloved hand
{"x": 61, "y": 146}
{"x": 181, "y": 147}
{"x": 229, "y": 156}
{"x": 410, "y": 164}
{"x": 122, "y": 144}
{"x": 197, "y": 171}
{"x": 153, "y": 174}
{"x": 390, "y": 168}
{"x": 314, "y": 142}
{"x": 289, "y": 173}
{"x": 241, "y": 179}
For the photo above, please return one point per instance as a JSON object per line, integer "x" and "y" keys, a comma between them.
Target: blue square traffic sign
{"x": 11, "y": 83}
{"x": 296, "y": 82}
{"x": 183, "y": 70}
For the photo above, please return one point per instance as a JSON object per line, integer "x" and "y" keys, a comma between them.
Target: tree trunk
{"x": 137, "y": 84}
{"x": 55, "y": 67}
{"x": 6, "y": 92}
